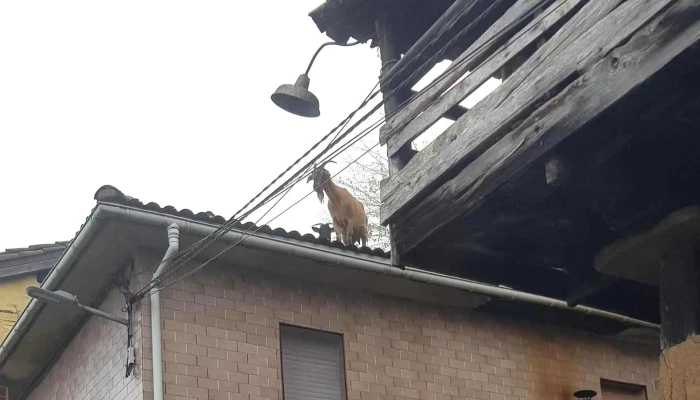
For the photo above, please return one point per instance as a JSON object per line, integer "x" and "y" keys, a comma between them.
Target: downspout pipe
{"x": 349, "y": 259}
{"x": 173, "y": 248}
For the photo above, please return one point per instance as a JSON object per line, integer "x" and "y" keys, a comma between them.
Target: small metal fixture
{"x": 585, "y": 394}
{"x": 61, "y": 297}
{"x": 296, "y": 98}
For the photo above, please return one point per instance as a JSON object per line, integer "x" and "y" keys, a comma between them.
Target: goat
{"x": 324, "y": 230}
{"x": 348, "y": 214}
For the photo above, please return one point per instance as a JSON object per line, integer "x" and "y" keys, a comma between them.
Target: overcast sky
{"x": 169, "y": 101}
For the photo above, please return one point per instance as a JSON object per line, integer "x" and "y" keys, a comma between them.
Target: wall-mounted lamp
{"x": 61, "y": 297}
{"x": 296, "y": 98}
{"x": 585, "y": 394}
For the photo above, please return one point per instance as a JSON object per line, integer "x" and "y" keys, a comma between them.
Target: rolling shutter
{"x": 312, "y": 364}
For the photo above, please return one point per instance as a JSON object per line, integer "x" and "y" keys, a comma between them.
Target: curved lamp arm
{"x": 333, "y": 44}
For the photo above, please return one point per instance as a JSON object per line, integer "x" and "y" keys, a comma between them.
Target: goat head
{"x": 324, "y": 230}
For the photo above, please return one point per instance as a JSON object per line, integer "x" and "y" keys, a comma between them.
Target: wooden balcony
{"x": 590, "y": 137}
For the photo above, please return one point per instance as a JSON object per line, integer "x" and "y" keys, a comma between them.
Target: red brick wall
{"x": 221, "y": 341}
{"x": 92, "y": 366}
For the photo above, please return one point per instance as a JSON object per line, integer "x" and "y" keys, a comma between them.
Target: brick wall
{"x": 221, "y": 341}
{"x": 92, "y": 367}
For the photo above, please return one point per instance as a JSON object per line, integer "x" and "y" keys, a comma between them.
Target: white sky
{"x": 169, "y": 101}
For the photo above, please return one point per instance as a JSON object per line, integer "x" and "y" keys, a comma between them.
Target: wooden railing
{"x": 553, "y": 57}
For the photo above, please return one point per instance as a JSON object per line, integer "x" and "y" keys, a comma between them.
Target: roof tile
{"x": 110, "y": 194}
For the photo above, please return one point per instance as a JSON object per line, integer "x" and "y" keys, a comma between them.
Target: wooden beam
{"x": 680, "y": 295}
{"x": 389, "y": 54}
{"x": 605, "y": 83}
{"x": 453, "y": 113}
{"x": 575, "y": 47}
{"x": 469, "y": 59}
{"x": 435, "y": 106}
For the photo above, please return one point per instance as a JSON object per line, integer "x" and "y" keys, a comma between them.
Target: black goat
{"x": 324, "y": 230}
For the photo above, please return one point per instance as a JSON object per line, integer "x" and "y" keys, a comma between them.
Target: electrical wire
{"x": 165, "y": 276}
{"x": 456, "y": 65}
{"x": 358, "y": 137}
{"x": 438, "y": 79}
{"x": 248, "y": 233}
{"x": 408, "y": 100}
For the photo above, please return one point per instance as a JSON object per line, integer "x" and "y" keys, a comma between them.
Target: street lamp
{"x": 296, "y": 98}
{"x": 62, "y": 297}
{"x": 585, "y": 394}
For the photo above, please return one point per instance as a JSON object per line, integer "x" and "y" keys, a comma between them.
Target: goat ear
{"x": 315, "y": 229}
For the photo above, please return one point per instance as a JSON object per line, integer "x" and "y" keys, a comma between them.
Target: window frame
{"x": 622, "y": 385}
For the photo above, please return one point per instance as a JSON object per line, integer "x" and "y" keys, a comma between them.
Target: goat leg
{"x": 350, "y": 229}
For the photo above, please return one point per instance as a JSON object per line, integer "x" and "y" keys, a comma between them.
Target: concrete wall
{"x": 92, "y": 367}
{"x": 13, "y": 300}
{"x": 221, "y": 341}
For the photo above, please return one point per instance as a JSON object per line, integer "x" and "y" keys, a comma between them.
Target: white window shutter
{"x": 312, "y": 364}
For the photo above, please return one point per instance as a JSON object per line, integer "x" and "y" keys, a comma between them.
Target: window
{"x": 622, "y": 391}
{"x": 312, "y": 364}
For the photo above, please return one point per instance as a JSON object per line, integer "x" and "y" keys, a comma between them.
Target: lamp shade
{"x": 297, "y": 99}
{"x": 585, "y": 394}
{"x": 57, "y": 297}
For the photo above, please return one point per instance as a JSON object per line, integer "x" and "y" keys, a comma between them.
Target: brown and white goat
{"x": 348, "y": 214}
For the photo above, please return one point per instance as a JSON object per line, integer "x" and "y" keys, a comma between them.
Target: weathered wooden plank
{"x": 458, "y": 15}
{"x": 552, "y": 64}
{"x": 481, "y": 48}
{"x": 528, "y": 35}
{"x": 608, "y": 81}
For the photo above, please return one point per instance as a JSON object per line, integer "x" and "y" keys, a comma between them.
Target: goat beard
{"x": 319, "y": 193}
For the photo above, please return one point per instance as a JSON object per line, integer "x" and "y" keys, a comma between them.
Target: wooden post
{"x": 679, "y": 294}
{"x": 679, "y": 365}
{"x": 389, "y": 55}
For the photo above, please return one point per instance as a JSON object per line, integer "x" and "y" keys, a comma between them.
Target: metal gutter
{"x": 342, "y": 258}
{"x": 345, "y": 258}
